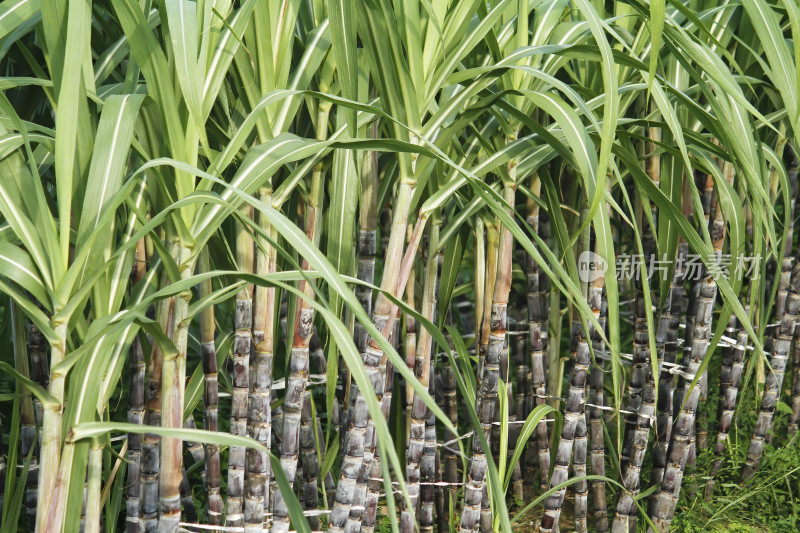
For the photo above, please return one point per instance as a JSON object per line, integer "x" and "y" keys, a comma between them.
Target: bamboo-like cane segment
{"x": 422, "y": 369}
{"x": 664, "y": 506}
{"x": 319, "y": 362}
{"x": 210, "y": 397}
{"x": 151, "y": 453}
{"x": 303, "y": 329}
{"x": 727, "y": 408}
{"x": 374, "y": 475}
{"x": 173, "y": 376}
{"x": 310, "y": 460}
{"x": 523, "y": 400}
{"x": 135, "y": 416}
{"x": 579, "y": 470}
{"x": 673, "y": 308}
{"x": 493, "y": 248}
{"x": 367, "y": 247}
{"x": 793, "y": 182}
{"x": 242, "y": 323}
{"x": 487, "y": 394}
{"x": 195, "y": 449}
{"x": 259, "y": 415}
{"x": 187, "y": 499}
{"x": 52, "y": 426}
{"x": 672, "y": 315}
{"x": 597, "y": 387}
{"x": 580, "y": 445}
{"x": 537, "y": 339}
{"x": 373, "y": 356}
{"x": 94, "y": 483}
{"x": 772, "y": 386}
{"x": 428, "y": 466}
{"x": 449, "y": 456}
{"x": 573, "y": 413}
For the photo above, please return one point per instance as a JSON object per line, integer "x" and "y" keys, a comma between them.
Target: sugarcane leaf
{"x": 109, "y": 159}
{"x": 14, "y": 13}
{"x": 536, "y": 415}
{"x": 17, "y": 265}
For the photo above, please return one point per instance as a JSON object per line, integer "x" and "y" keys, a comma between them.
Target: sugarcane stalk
{"x": 135, "y": 416}
{"x": 450, "y": 458}
{"x": 666, "y": 500}
{"x": 597, "y": 389}
{"x": 774, "y": 378}
{"x": 522, "y": 402}
{"x": 572, "y": 415}
{"x": 187, "y": 499}
{"x": 795, "y": 418}
{"x": 367, "y": 247}
{"x": 372, "y": 357}
{"x": 536, "y": 340}
{"x": 259, "y": 415}
{"x": 151, "y": 453}
{"x": 173, "y": 377}
{"x": 310, "y": 461}
{"x": 195, "y": 449}
{"x": 371, "y": 468}
{"x": 208, "y": 351}
{"x": 625, "y": 517}
{"x": 94, "y": 484}
{"x": 321, "y": 364}
{"x": 487, "y": 393}
{"x": 791, "y": 171}
{"x": 493, "y": 247}
{"x": 243, "y": 320}
{"x": 579, "y": 470}
{"x": 422, "y": 370}
{"x": 375, "y": 472}
{"x": 727, "y": 408}
{"x": 52, "y": 426}
{"x": 428, "y": 466}
{"x": 303, "y": 329}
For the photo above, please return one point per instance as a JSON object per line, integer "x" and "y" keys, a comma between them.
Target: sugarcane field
{"x": 408, "y": 266}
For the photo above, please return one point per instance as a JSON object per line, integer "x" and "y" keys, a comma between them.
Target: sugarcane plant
{"x": 420, "y": 265}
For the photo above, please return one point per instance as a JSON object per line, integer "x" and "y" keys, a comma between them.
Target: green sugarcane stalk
{"x": 151, "y": 453}
{"x": 95, "y": 480}
{"x": 173, "y": 376}
{"x": 52, "y": 422}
